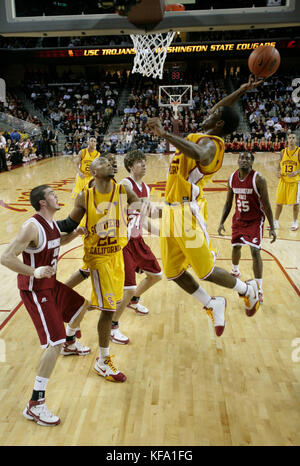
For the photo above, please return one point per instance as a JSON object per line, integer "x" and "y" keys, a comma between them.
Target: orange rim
{"x": 175, "y": 7}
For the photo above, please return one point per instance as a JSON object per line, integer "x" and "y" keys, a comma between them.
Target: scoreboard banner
{"x": 200, "y": 48}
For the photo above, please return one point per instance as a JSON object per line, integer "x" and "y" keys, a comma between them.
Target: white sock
{"x": 259, "y": 283}
{"x": 202, "y": 296}
{"x": 70, "y": 332}
{"x": 235, "y": 268}
{"x": 240, "y": 287}
{"x": 40, "y": 384}
{"x": 103, "y": 353}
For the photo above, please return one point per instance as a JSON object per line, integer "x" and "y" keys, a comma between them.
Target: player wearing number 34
{"x": 49, "y": 302}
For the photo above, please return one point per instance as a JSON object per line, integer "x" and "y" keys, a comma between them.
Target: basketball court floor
{"x": 185, "y": 386}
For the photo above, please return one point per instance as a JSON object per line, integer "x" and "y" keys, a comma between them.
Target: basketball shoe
{"x": 294, "y": 226}
{"x": 138, "y": 307}
{"x": 251, "y": 298}
{"x": 74, "y": 347}
{"x": 216, "y": 311}
{"x": 117, "y": 336}
{"x": 260, "y": 296}
{"x": 108, "y": 370}
{"x": 38, "y": 412}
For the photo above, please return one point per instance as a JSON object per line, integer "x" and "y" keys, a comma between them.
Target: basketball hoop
{"x": 175, "y": 7}
{"x": 151, "y": 52}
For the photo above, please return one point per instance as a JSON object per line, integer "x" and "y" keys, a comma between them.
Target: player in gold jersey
{"x": 83, "y": 272}
{"x": 82, "y": 164}
{"x": 184, "y": 237}
{"x": 288, "y": 190}
{"x": 105, "y": 206}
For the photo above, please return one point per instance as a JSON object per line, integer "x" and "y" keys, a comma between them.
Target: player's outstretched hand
{"x": 272, "y": 235}
{"x": 146, "y": 207}
{"x": 155, "y": 126}
{"x": 81, "y": 231}
{"x": 252, "y": 83}
{"x": 220, "y": 229}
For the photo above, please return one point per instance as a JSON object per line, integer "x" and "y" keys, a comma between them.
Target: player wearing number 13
{"x": 288, "y": 190}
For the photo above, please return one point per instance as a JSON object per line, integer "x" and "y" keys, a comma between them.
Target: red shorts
{"x": 248, "y": 233}
{"x": 138, "y": 258}
{"x": 49, "y": 309}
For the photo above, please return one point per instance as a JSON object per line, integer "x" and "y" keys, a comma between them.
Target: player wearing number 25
{"x": 288, "y": 190}
{"x": 251, "y": 205}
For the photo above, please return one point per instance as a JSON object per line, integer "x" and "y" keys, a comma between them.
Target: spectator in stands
{"x": 263, "y": 145}
{"x": 227, "y": 144}
{"x": 255, "y": 145}
{"x": 14, "y": 154}
{"x": 282, "y": 143}
{"x": 242, "y": 144}
{"x": 54, "y": 143}
{"x": 235, "y": 145}
{"x": 67, "y": 150}
{"x": 268, "y": 134}
{"x": 26, "y": 149}
{"x": 15, "y": 135}
{"x": 248, "y": 145}
{"x": 277, "y": 128}
{"x": 276, "y": 145}
{"x": 3, "y": 162}
{"x": 48, "y": 136}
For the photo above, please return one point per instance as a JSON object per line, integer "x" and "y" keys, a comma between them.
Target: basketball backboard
{"x": 175, "y": 96}
{"x": 265, "y": 13}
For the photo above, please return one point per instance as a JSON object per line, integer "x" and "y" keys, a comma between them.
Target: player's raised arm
{"x": 232, "y": 98}
{"x": 202, "y": 152}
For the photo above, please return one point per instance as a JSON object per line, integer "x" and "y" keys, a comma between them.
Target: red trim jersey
{"x": 248, "y": 206}
{"x": 46, "y": 253}
{"x": 134, "y": 216}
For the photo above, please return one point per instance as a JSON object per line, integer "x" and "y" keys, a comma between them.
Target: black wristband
{"x": 67, "y": 225}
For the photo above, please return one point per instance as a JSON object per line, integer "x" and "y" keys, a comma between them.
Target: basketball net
{"x": 151, "y": 52}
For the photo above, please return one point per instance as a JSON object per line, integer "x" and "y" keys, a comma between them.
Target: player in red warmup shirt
{"x": 138, "y": 257}
{"x": 251, "y": 206}
{"x": 48, "y": 302}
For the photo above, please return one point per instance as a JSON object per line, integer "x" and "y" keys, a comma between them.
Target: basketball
{"x": 264, "y": 61}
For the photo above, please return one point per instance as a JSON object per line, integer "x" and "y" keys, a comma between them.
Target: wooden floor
{"x": 185, "y": 387}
